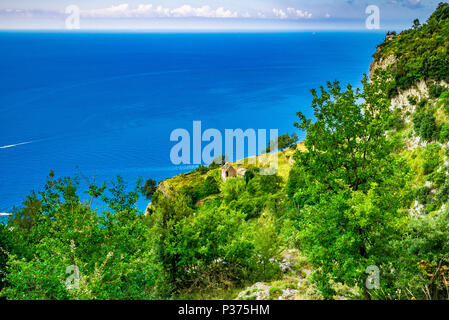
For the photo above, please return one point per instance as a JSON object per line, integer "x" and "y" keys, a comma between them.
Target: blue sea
{"x": 102, "y": 104}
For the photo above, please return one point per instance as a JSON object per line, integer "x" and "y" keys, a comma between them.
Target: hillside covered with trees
{"x": 357, "y": 211}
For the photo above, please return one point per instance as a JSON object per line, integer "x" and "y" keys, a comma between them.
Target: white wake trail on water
{"x": 16, "y": 144}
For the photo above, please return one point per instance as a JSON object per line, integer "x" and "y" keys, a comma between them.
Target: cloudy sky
{"x": 210, "y": 14}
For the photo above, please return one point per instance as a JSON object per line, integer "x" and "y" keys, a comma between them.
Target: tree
{"x": 348, "y": 210}
{"x": 209, "y": 187}
{"x": 250, "y": 173}
{"x": 441, "y": 13}
{"x": 149, "y": 188}
{"x": 416, "y": 24}
{"x": 5, "y": 248}
{"x": 284, "y": 141}
{"x": 420, "y": 53}
{"x": 218, "y": 161}
{"x": 202, "y": 169}
{"x": 425, "y": 126}
{"x": 346, "y": 144}
{"x": 113, "y": 250}
{"x": 206, "y": 247}
{"x": 421, "y": 270}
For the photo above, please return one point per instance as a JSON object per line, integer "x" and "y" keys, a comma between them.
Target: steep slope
{"x": 369, "y": 192}
{"x": 417, "y": 61}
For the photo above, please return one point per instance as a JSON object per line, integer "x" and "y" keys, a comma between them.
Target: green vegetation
{"x": 352, "y": 183}
{"x": 425, "y": 125}
{"x": 421, "y": 53}
{"x": 149, "y": 188}
{"x": 368, "y": 189}
{"x": 284, "y": 141}
{"x": 55, "y": 230}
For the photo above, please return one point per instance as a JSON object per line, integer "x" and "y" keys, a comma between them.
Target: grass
{"x": 285, "y": 161}
{"x": 214, "y": 293}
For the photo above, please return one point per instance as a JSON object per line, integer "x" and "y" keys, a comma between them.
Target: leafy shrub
{"x": 444, "y": 101}
{"x": 202, "y": 169}
{"x": 422, "y": 194}
{"x": 284, "y": 141}
{"x": 436, "y": 66}
{"x": 250, "y": 173}
{"x": 396, "y": 120}
{"x": 420, "y": 52}
{"x": 442, "y": 195}
{"x": 149, "y": 188}
{"x": 432, "y": 158}
{"x": 217, "y": 162}
{"x": 422, "y": 104}
{"x": 435, "y": 90}
{"x": 113, "y": 250}
{"x": 5, "y": 247}
{"x": 444, "y": 132}
{"x": 421, "y": 264}
{"x": 267, "y": 246}
{"x": 211, "y": 247}
{"x": 425, "y": 125}
{"x": 191, "y": 193}
{"x": 253, "y": 196}
{"x": 412, "y": 100}
{"x": 269, "y": 183}
{"x": 209, "y": 187}
{"x": 438, "y": 177}
{"x": 233, "y": 189}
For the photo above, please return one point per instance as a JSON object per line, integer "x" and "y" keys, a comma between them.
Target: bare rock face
{"x": 420, "y": 90}
{"x": 294, "y": 284}
{"x": 288, "y": 294}
{"x": 258, "y": 291}
{"x": 163, "y": 188}
{"x": 417, "y": 209}
{"x": 261, "y": 291}
{"x": 382, "y": 63}
{"x": 286, "y": 261}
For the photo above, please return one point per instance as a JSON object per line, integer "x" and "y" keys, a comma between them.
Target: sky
{"x": 206, "y": 15}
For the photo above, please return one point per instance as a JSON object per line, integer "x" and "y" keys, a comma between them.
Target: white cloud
{"x": 292, "y": 13}
{"x": 160, "y": 11}
{"x": 204, "y": 12}
{"x": 298, "y": 13}
{"x": 327, "y": 15}
{"x": 413, "y": 4}
{"x": 143, "y": 8}
{"x": 148, "y": 10}
{"x": 280, "y": 13}
{"x": 111, "y": 12}
{"x": 222, "y": 13}
{"x": 185, "y": 11}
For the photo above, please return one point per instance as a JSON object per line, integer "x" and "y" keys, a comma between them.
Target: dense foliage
{"x": 420, "y": 53}
{"x": 357, "y": 194}
{"x": 55, "y": 230}
{"x": 149, "y": 188}
{"x": 352, "y": 184}
{"x": 122, "y": 254}
{"x": 284, "y": 141}
{"x": 367, "y": 190}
